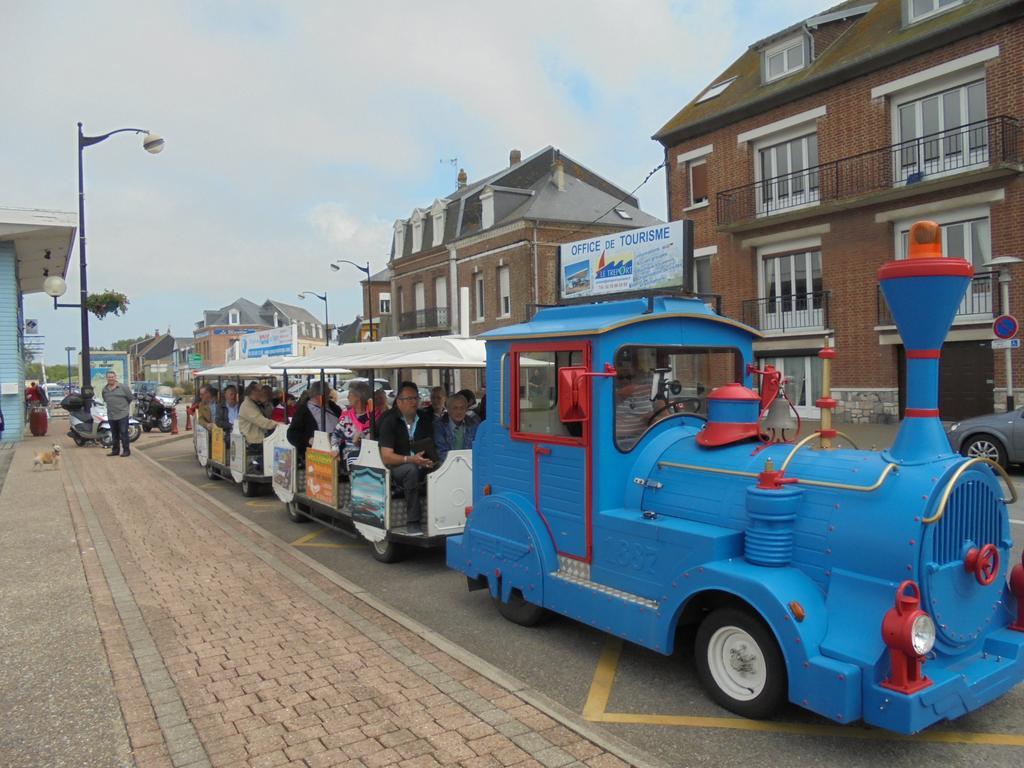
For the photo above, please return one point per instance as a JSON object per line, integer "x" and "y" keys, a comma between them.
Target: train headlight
{"x": 909, "y": 634}
{"x": 954, "y": 427}
{"x": 922, "y": 634}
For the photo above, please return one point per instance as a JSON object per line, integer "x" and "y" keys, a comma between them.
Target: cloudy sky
{"x": 298, "y": 132}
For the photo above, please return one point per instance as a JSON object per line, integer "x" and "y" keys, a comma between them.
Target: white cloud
{"x": 298, "y": 132}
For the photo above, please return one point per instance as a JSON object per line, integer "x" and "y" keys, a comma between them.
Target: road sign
{"x": 1005, "y": 327}
{"x": 1005, "y": 343}
{"x": 195, "y": 361}
{"x": 31, "y": 326}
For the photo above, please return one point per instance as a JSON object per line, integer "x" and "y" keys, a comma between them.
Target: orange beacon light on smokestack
{"x": 925, "y": 241}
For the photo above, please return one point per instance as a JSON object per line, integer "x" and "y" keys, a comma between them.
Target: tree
{"x": 123, "y": 345}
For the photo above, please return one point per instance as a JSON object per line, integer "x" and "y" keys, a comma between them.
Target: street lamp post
{"x": 323, "y": 298}
{"x": 153, "y": 144}
{"x": 69, "y": 350}
{"x": 369, "y": 289}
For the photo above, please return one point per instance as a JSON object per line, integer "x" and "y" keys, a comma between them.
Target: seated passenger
{"x": 456, "y": 429}
{"x": 206, "y": 413}
{"x": 438, "y": 399}
{"x": 251, "y": 422}
{"x": 353, "y": 423}
{"x": 227, "y": 413}
{"x": 633, "y": 406}
{"x": 311, "y": 417}
{"x": 402, "y": 427}
{"x": 380, "y": 410}
{"x": 280, "y": 409}
{"x": 267, "y": 401}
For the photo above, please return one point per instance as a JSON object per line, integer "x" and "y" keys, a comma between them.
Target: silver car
{"x": 996, "y": 436}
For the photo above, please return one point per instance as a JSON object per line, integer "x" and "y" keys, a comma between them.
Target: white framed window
{"x": 417, "y": 231}
{"x": 790, "y": 288}
{"x": 922, "y": 9}
{"x": 441, "y": 292}
{"x": 384, "y": 304}
{"x": 697, "y": 172}
{"x": 478, "y": 294}
{"x": 437, "y": 216}
{"x": 419, "y": 298}
{"x": 702, "y": 275}
{"x": 787, "y": 174}
{"x": 487, "y": 208}
{"x": 966, "y": 234}
{"x": 233, "y": 317}
{"x": 277, "y": 320}
{"x": 803, "y": 387}
{"x": 399, "y": 238}
{"x": 941, "y": 133}
{"x": 504, "y": 293}
{"x": 785, "y": 58}
{"x": 302, "y": 327}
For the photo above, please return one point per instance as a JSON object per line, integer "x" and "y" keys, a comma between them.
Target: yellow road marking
{"x": 209, "y": 485}
{"x": 178, "y": 457}
{"x": 604, "y": 678}
{"x": 262, "y": 504}
{"x": 307, "y": 541}
{"x": 595, "y": 710}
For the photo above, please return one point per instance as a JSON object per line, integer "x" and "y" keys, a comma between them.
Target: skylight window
{"x": 716, "y": 89}
{"x": 623, "y": 214}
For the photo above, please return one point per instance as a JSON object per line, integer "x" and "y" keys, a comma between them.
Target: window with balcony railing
{"x": 792, "y": 297}
{"x": 941, "y": 133}
{"x": 789, "y": 174}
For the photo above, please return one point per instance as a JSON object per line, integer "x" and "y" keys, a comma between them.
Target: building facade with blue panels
{"x": 34, "y": 244}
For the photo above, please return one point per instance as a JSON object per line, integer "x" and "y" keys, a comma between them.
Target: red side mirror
{"x": 573, "y": 394}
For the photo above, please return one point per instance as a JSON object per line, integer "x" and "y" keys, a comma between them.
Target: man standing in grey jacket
{"x": 118, "y": 398}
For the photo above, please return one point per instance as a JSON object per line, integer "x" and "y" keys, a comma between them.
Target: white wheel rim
{"x": 737, "y": 663}
{"x": 984, "y": 449}
{"x": 381, "y": 546}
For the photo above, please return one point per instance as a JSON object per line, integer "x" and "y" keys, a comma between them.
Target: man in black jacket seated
{"x": 307, "y": 420}
{"x": 399, "y": 429}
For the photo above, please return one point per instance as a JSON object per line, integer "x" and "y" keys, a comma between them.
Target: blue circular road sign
{"x": 1005, "y": 326}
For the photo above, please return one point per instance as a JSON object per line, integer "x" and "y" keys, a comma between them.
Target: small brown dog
{"x": 51, "y": 457}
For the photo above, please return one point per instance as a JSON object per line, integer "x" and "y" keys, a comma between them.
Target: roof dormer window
{"x": 785, "y": 58}
{"x": 437, "y": 214}
{"x": 233, "y": 317}
{"x": 917, "y": 10}
{"x": 399, "y": 238}
{"x": 417, "y": 231}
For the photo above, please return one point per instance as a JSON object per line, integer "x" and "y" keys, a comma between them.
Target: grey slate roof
{"x": 527, "y": 191}
{"x": 251, "y": 313}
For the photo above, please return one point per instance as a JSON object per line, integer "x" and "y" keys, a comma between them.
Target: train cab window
{"x": 654, "y": 383}
{"x": 538, "y": 392}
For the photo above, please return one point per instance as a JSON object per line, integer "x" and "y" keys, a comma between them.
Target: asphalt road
{"x": 650, "y": 700}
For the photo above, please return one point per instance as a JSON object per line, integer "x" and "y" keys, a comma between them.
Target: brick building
{"x": 498, "y": 238}
{"x": 804, "y": 164}
{"x": 379, "y": 297}
{"x": 219, "y": 328}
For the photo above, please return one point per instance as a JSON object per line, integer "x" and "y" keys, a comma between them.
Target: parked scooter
{"x": 154, "y": 409}
{"x": 87, "y": 428}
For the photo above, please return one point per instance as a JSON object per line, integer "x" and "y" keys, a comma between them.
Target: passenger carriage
{"x": 223, "y": 455}
{"x": 362, "y": 500}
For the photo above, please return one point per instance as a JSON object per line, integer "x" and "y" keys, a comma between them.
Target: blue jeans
{"x": 119, "y": 431}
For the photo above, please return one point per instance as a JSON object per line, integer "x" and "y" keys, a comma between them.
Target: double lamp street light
{"x": 369, "y": 289}
{"x": 55, "y": 285}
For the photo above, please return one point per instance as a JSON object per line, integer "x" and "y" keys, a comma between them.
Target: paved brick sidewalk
{"x": 226, "y": 650}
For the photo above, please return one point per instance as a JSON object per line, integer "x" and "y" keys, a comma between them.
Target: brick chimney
{"x": 558, "y": 175}
{"x": 515, "y": 157}
{"x": 462, "y": 178}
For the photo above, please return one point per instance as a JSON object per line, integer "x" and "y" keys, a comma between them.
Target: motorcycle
{"x": 93, "y": 427}
{"x": 154, "y": 409}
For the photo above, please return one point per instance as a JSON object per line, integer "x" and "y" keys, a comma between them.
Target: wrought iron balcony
{"x": 434, "y": 319}
{"x": 981, "y": 302}
{"x": 795, "y": 312}
{"x": 968, "y": 147}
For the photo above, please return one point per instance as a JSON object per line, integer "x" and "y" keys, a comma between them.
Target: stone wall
{"x": 866, "y": 406}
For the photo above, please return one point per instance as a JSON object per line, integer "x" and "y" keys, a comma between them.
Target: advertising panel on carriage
{"x": 644, "y": 259}
{"x": 369, "y": 496}
{"x": 217, "y": 447}
{"x": 322, "y": 477}
{"x": 284, "y": 466}
{"x": 202, "y": 441}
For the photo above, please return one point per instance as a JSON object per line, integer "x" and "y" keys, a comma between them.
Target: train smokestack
{"x": 923, "y": 292}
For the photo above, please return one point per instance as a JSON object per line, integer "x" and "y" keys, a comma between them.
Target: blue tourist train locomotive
{"x": 627, "y": 479}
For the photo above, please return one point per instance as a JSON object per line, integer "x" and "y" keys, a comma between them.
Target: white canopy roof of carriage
{"x": 393, "y": 352}
{"x": 254, "y": 368}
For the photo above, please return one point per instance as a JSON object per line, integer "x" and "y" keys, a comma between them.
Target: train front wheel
{"x": 519, "y": 610}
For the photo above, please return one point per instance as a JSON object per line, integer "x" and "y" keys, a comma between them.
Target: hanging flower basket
{"x": 102, "y": 304}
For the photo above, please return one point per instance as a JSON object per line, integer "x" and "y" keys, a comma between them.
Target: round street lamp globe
{"x": 153, "y": 143}
{"x": 55, "y": 286}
